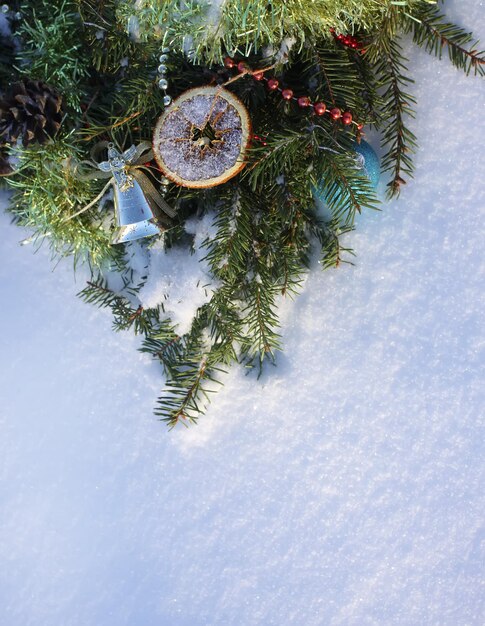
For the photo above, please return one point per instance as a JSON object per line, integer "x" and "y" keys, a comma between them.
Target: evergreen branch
{"x": 45, "y": 192}
{"x": 229, "y": 249}
{"x": 164, "y": 345}
{"x": 431, "y": 31}
{"x": 332, "y": 249}
{"x": 281, "y": 152}
{"x": 266, "y": 220}
{"x": 187, "y": 406}
{"x": 396, "y": 108}
{"x": 250, "y": 25}
{"x": 191, "y": 374}
{"x": 52, "y": 48}
{"x": 125, "y": 316}
{"x": 371, "y": 99}
{"x": 345, "y": 189}
{"x": 337, "y": 77}
{"x": 261, "y": 339}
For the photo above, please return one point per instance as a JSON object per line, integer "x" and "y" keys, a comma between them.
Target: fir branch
{"x": 228, "y": 250}
{"x": 193, "y": 374}
{"x": 261, "y": 338}
{"x": 431, "y": 31}
{"x": 396, "y": 108}
{"x": 338, "y": 83}
{"x": 371, "y": 101}
{"x": 45, "y": 192}
{"x": 250, "y": 25}
{"x": 344, "y": 187}
{"x": 332, "y": 249}
{"x": 125, "y": 316}
{"x": 182, "y": 400}
{"x": 281, "y": 152}
{"x": 52, "y": 48}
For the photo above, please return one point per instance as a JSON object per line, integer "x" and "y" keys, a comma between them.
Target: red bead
{"x": 360, "y": 126}
{"x": 347, "y": 118}
{"x": 335, "y": 113}
{"x": 340, "y": 37}
{"x": 320, "y": 108}
{"x": 229, "y": 63}
{"x": 273, "y": 84}
{"x": 241, "y": 66}
{"x": 304, "y": 101}
{"x": 287, "y": 94}
{"x": 258, "y": 75}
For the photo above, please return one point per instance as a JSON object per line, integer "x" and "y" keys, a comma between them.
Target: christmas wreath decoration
{"x": 232, "y": 129}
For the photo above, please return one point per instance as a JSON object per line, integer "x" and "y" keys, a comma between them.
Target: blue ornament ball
{"x": 367, "y": 160}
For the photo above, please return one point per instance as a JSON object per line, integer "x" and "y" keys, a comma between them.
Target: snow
{"x": 179, "y": 280}
{"x": 344, "y": 488}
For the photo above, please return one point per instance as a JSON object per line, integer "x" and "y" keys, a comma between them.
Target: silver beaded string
{"x": 167, "y": 99}
{"x": 5, "y": 9}
{"x": 162, "y": 76}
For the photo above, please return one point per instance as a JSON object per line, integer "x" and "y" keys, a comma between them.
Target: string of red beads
{"x": 318, "y": 108}
{"x": 348, "y": 40}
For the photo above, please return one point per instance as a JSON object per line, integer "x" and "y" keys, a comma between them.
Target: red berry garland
{"x": 335, "y": 113}
{"x": 318, "y": 108}
{"x": 348, "y": 40}
{"x": 347, "y": 118}
{"x": 304, "y": 101}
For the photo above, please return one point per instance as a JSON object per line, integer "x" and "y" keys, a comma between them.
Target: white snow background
{"x": 344, "y": 488}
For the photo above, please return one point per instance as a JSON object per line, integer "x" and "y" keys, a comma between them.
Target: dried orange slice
{"x": 201, "y": 139}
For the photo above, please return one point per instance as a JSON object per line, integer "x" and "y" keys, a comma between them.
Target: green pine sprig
{"x": 434, "y": 33}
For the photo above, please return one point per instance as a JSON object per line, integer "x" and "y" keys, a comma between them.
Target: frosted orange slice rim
{"x": 200, "y": 141}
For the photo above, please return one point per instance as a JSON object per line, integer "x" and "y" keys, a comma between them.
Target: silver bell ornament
{"x": 133, "y": 213}
{"x": 140, "y": 209}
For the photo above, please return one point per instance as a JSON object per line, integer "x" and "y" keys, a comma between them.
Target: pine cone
{"x": 5, "y": 168}
{"x": 30, "y": 110}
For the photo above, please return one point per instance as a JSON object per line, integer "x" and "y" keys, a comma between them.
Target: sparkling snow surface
{"x": 344, "y": 488}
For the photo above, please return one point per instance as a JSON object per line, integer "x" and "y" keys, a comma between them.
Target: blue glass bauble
{"x": 369, "y": 162}
{"x": 366, "y": 160}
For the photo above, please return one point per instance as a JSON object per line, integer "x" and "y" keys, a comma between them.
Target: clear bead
{"x": 5, "y": 8}
{"x": 163, "y": 83}
{"x": 165, "y": 50}
{"x": 164, "y": 181}
{"x": 18, "y": 15}
{"x": 162, "y": 68}
{"x": 163, "y": 57}
{"x": 167, "y": 100}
